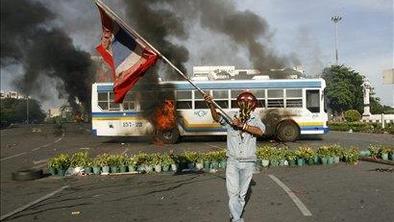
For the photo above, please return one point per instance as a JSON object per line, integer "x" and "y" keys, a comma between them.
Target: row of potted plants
{"x": 105, "y": 163}
{"x": 379, "y": 151}
{"x": 163, "y": 162}
{"x": 328, "y": 154}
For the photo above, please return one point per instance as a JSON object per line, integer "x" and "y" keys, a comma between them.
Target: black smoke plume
{"x": 28, "y": 39}
{"x": 160, "y": 19}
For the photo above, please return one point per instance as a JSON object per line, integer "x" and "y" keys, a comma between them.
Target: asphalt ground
{"x": 331, "y": 193}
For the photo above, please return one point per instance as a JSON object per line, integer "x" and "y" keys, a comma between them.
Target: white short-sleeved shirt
{"x": 242, "y": 148}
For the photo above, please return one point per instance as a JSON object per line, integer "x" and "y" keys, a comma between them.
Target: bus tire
{"x": 287, "y": 131}
{"x": 29, "y": 174}
{"x": 169, "y": 136}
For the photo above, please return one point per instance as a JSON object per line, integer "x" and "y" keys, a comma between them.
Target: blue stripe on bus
{"x": 235, "y": 85}
{"x": 114, "y": 114}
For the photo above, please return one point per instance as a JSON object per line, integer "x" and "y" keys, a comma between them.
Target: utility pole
{"x": 27, "y": 109}
{"x": 336, "y": 19}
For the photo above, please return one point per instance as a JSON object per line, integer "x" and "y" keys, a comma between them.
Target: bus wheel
{"x": 168, "y": 136}
{"x": 287, "y": 131}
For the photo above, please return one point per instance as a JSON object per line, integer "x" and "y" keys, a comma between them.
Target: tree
{"x": 344, "y": 90}
{"x": 14, "y": 111}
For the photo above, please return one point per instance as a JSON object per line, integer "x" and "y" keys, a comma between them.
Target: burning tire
{"x": 287, "y": 131}
{"x": 168, "y": 136}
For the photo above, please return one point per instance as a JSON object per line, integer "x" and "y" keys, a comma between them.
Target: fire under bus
{"x": 288, "y": 107}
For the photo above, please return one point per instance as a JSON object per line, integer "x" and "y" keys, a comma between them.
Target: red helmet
{"x": 247, "y": 97}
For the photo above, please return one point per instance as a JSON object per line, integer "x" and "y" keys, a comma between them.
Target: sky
{"x": 299, "y": 28}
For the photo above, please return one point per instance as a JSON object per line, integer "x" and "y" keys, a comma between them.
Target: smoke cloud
{"x": 28, "y": 39}
{"x": 160, "y": 20}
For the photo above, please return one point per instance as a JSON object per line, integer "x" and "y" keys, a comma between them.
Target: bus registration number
{"x": 132, "y": 124}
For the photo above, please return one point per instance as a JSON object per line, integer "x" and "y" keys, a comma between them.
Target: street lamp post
{"x": 27, "y": 110}
{"x": 336, "y": 19}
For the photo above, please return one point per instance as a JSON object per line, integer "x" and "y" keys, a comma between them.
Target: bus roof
{"x": 237, "y": 84}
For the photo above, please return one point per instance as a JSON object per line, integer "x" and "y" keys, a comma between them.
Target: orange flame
{"x": 164, "y": 117}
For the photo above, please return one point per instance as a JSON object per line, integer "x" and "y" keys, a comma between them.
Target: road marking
{"x": 292, "y": 196}
{"x": 40, "y": 161}
{"x": 35, "y": 149}
{"x": 48, "y": 144}
{"x": 10, "y": 157}
{"x": 22, "y": 208}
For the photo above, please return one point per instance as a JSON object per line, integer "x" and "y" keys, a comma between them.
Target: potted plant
{"x": 88, "y": 166}
{"x": 207, "y": 161}
{"x": 215, "y": 158}
{"x": 149, "y": 163}
{"x": 264, "y": 154}
{"x": 141, "y": 160}
{"x": 114, "y": 163}
{"x": 323, "y": 153}
{"x": 392, "y": 153}
{"x": 336, "y": 151}
{"x": 191, "y": 158}
{"x": 78, "y": 161}
{"x": 156, "y": 162}
{"x": 132, "y": 164}
{"x": 166, "y": 161}
{"x": 123, "y": 163}
{"x": 61, "y": 162}
{"x": 384, "y": 153}
{"x": 200, "y": 161}
{"x": 374, "y": 150}
{"x": 96, "y": 165}
{"x": 351, "y": 155}
{"x": 281, "y": 152}
{"x": 291, "y": 157}
{"x": 53, "y": 165}
{"x": 222, "y": 158}
{"x": 275, "y": 157}
{"x": 102, "y": 160}
{"x": 304, "y": 154}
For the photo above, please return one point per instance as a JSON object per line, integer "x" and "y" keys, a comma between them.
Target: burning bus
{"x": 288, "y": 107}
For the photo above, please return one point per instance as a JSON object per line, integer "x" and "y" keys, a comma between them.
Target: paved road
{"x": 333, "y": 193}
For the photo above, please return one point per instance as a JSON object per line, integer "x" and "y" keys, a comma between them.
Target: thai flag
{"x": 127, "y": 55}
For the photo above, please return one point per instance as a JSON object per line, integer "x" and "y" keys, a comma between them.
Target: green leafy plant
{"x": 167, "y": 159}
{"x": 374, "y": 150}
{"x": 60, "y": 161}
{"x": 264, "y": 152}
{"x": 191, "y": 156}
{"x": 79, "y": 159}
{"x": 351, "y": 155}
{"x": 335, "y": 150}
{"x": 114, "y": 160}
{"x": 290, "y": 155}
{"x": 155, "y": 159}
{"x": 101, "y": 160}
{"x": 305, "y": 152}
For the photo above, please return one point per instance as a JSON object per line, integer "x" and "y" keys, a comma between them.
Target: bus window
{"x": 221, "y": 98}
{"x": 313, "y": 101}
{"x": 114, "y": 106}
{"x": 102, "y": 99}
{"x": 275, "y": 98}
{"x": 293, "y": 98}
{"x": 294, "y": 103}
{"x": 184, "y": 104}
{"x": 129, "y": 102}
{"x": 183, "y": 99}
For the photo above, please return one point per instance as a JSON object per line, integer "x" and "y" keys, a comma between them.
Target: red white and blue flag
{"x": 127, "y": 55}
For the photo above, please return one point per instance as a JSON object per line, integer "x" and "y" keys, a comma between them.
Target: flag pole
{"x": 133, "y": 32}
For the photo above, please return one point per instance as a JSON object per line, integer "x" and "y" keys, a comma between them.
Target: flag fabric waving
{"x": 127, "y": 55}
